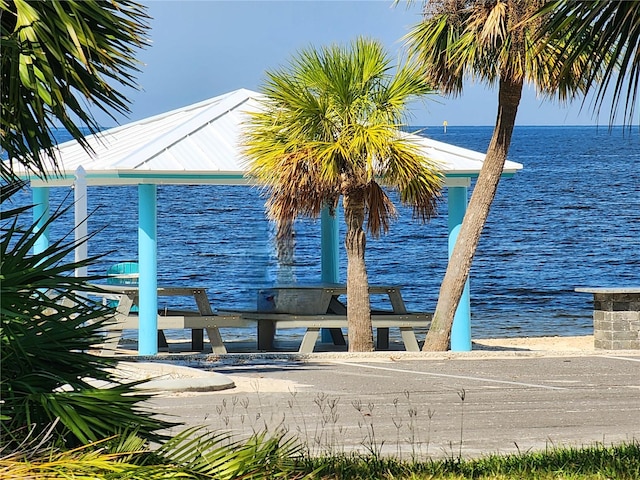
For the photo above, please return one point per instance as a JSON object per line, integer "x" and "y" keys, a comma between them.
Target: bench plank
{"x": 269, "y": 322}
{"x": 180, "y": 320}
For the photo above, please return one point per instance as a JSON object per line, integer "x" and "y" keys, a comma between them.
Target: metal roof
{"x": 199, "y": 144}
{"x": 458, "y": 161}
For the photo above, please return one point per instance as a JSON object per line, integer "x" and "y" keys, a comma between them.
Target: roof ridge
{"x": 217, "y": 107}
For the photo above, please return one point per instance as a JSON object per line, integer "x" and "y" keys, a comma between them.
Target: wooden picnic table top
{"x": 338, "y": 288}
{"x": 165, "y": 291}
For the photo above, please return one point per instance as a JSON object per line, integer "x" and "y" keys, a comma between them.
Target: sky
{"x": 204, "y": 48}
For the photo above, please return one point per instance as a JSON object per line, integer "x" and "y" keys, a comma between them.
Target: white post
{"x": 80, "y": 213}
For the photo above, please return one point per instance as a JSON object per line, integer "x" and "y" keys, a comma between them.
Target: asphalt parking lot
{"x": 448, "y": 405}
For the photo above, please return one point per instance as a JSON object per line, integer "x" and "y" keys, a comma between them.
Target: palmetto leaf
{"x": 47, "y": 329}
{"x": 115, "y": 457}
{"x": 84, "y": 412}
{"x": 215, "y": 456}
{"x": 189, "y": 455}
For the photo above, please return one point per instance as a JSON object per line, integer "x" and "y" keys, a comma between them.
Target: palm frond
{"x": 55, "y": 56}
{"x": 48, "y": 326}
{"x": 429, "y": 45}
{"x": 82, "y": 412}
{"x": 120, "y": 456}
{"x": 478, "y": 40}
{"x": 608, "y": 35}
{"x": 216, "y": 456}
{"x": 380, "y": 210}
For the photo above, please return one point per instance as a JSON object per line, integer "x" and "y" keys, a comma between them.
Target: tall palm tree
{"x": 613, "y": 27}
{"x": 57, "y": 57}
{"x": 329, "y": 128}
{"x": 490, "y": 41}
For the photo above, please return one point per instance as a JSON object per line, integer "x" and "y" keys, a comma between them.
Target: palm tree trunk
{"x": 484, "y": 192}
{"x": 285, "y": 249}
{"x": 359, "y": 308}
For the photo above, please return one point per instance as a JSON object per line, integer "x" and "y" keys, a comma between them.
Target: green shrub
{"x": 46, "y": 332}
{"x": 189, "y": 455}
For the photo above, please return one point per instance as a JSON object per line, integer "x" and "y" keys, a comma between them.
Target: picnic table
{"x": 196, "y": 320}
{"x": 315, "y": 307}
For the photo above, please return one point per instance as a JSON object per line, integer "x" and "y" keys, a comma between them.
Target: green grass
{"x": 594, "y": 463}
{"x": 196, "y": 454}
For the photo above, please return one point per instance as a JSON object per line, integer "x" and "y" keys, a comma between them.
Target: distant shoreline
{"x": 599, "y": 127}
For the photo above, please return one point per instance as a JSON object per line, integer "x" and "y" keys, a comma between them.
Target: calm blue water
{"x": 570, "y": 218}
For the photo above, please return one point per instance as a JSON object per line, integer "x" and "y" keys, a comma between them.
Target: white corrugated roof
{"x": 196, "y": 144}
{"x": 199, "y": 144}
{"x": 457, "y": 161}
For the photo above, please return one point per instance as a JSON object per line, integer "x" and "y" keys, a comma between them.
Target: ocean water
{"x": 570, "y": 218}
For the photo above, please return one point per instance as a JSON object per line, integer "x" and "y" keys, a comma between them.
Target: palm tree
{"x": 491, "y": 41}
{"x": 57, "y": 57}
{"x": 329, "y": 128}
{"x": 613, "y": 27}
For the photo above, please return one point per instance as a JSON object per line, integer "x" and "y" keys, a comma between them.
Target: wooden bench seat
{"x": 268, "y": 323}
{"x": 181, "y": 320}
{"x": 178, "y": 320}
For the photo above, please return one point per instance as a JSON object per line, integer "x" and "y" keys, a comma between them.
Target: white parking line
{"x": 461, "y": 377}
{"x": 622, "y": 358}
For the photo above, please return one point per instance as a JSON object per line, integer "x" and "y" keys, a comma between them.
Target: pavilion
{"x": 199, "y": 144}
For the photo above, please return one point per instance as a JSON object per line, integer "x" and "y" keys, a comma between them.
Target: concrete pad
{"x": 424, "y": 406}
{"x": 173, "y": 377}
{"x": 208, "y": 384}
{"x": 507, "y": 395}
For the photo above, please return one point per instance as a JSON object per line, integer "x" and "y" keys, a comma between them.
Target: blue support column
{"x": 40, "y": 217}
{"x": 329, "y": 247}
{"x": 461, "y": 331}
{"x": 329, "y": 255}
{"x": 148, "y": 267}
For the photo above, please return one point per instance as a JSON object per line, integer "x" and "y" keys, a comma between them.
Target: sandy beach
{"x": 583, "y": 343}
{"x": 547, "y": 344}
